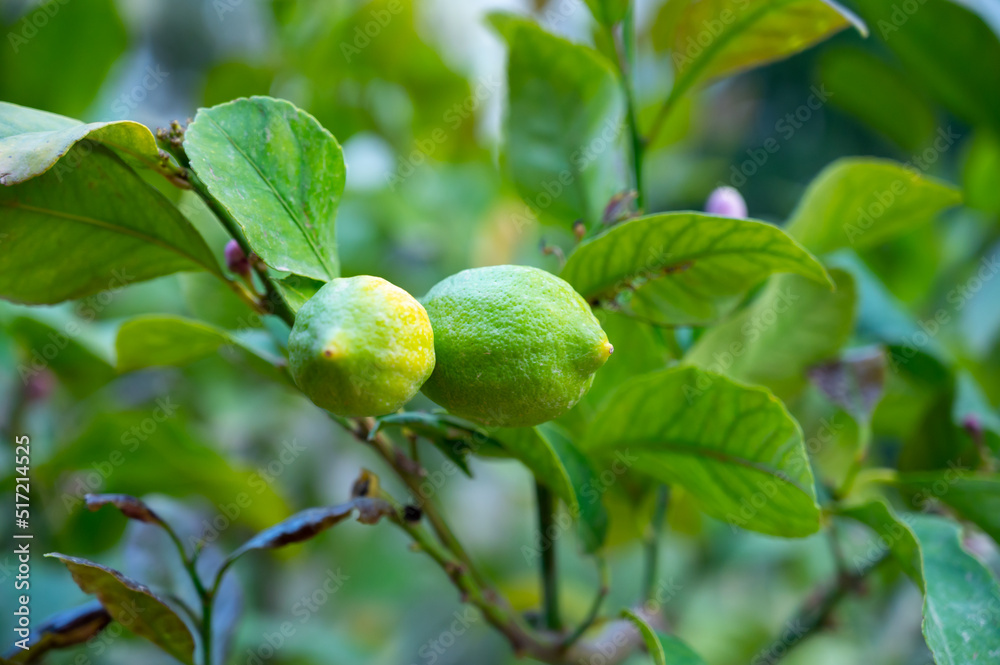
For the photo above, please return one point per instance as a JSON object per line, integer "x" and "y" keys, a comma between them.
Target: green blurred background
{"x": 417, "y": 208}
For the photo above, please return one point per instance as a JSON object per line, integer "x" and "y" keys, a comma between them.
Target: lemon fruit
{"x": 515, "y": 346}
{"x": 361, "y": 347}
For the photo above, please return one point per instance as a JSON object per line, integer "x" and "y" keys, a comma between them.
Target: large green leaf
{"x": 563, "y": 122}
{"x": 32, "y": 141}
{"x": 685, "y": 267}
{"x": 56, "y": 340}
{"x": 151, "y": 451}
{"x": 163, "y": 340}
{"x": 878, "y": 95}
{"x": 960, "y": 593}
{"x": 133, "y": 605}
{"x": 715, "y": 38}
{"x": 791, "y": 325}
{"x": 734, "y": 447}
{"x": 557, "y": 463}
{"x": 663, "y": 648}
{"x": 945, "y": 46}
{"x": 859, "y": 203}
{"x": 87, "y": 225}
{"x": 279, "y": 173}
{"x": 57, "y": 55}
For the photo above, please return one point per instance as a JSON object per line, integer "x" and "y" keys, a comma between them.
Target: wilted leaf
{"x": 279, "y": 173}
{"x": 854, "y": 382}
{"x": 860, "y": 203}
{"x": 563, "y": 122}
{"x": 87, "y": 225}
{"x": 65, "y": 629}
{"x": 685, "y": 267}
{"x": 133, "y": 605}
{"x": 32, "y": 141}
{"x": 311, "y": 521}
{"x": 130, "y": 506}
{"x": 734, "y": 447}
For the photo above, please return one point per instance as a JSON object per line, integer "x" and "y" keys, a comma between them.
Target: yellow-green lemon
{"x": 361, "y": 347}
{"x": 515, "y": 346}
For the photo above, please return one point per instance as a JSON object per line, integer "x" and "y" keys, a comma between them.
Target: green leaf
{"x": 951, "y": 69}
{"x": 279, "y": 173}
{"x": 31, "y": 141}
{"x": 860, "y": 203}
{"x": 557, "y": 463}
{"x": 132, "y": 605}
{"x": 159, "y": 340}
{"x": 455, "y": 437}
{"x": 878, "y": 95}
{"x": 973, "y": 497}
{"x": 896, "y": 538}
{"x": 685, "y": 267}
{"x": 981, "y": 172}
{"x": 664, "y": 649}
{"x": 960, "y": 593}
{"x": 58, "y": 341}
{"x": 296, "y": 290}
{"x": 715, "y": 38}
{"x": 608, "y": 12}
{"x": 734, "y": 447}
{"x": 563, "y": 122}
{"x": 58, "y": 55}
{"x": 88, "y": 225}
{"x": 152, "y": 451}
{"x": 792, "y": 325}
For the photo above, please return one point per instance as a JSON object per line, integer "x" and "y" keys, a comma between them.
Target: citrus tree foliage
{"x": 729, "y": 344}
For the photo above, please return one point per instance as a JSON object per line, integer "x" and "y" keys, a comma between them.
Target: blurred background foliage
{"x": 416, "y": 99}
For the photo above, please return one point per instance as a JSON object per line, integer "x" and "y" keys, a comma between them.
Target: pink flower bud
{"x": 236, "y": 260}
{"x": 726, "y": 202}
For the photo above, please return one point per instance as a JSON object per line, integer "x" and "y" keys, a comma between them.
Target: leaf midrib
{"x": 284, "y": 204}
{"x": 701, "y": 451}
{"x": 109, "y": 226}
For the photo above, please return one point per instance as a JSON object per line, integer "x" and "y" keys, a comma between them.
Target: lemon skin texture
{"x": 515, "y": 346}
{"x": 361, "y": 347}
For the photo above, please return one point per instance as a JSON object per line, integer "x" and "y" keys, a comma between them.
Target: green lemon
{"x": 515, "y": 346}
{"x": 361, "y": 347}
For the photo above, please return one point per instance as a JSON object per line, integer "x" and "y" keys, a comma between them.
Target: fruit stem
{"x": 653, "y": 541}
{"x": 549, "y": 571}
